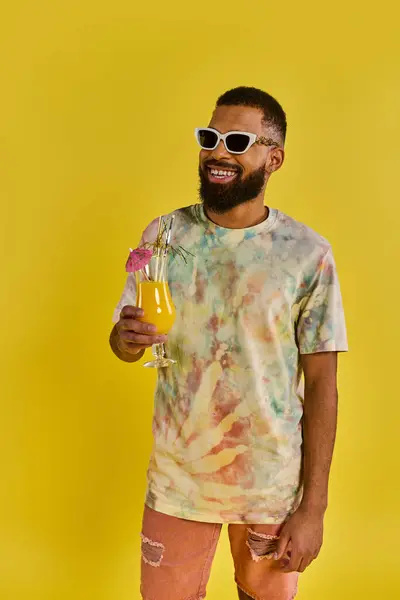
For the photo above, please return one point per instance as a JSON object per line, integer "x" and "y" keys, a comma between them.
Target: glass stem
{"x": 158, "y": 351}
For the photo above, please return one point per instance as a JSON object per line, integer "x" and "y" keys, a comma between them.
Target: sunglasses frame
{"x": 253, "y": 139}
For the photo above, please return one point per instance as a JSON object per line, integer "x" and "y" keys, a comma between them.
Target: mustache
{"x": 222, "y": 164}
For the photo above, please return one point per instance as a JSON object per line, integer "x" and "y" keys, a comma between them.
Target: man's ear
{"x": 275, "y": 161}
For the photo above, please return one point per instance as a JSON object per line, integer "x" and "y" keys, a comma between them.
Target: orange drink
{"x": 154, "y": 297}
{"x": 150, "y": 265}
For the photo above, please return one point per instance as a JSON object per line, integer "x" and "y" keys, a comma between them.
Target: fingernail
{"x": 151, "y": 328}
{"x": 275, "y": 556}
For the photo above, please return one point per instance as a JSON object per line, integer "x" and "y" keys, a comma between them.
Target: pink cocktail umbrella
{"x": 138, "y": 259}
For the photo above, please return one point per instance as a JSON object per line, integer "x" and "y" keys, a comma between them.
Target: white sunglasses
{"x": 236, "y": 142}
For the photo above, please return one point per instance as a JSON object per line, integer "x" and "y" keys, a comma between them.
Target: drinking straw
{"x": 169, "y": 232}
{"x": 160, "y": 229}
{"x": 167, "y": 244}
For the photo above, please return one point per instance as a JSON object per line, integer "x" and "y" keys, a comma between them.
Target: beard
{"x": 222, "y": 197}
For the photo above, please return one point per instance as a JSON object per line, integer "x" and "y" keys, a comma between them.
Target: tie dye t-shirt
{"x": 227, "y": 417}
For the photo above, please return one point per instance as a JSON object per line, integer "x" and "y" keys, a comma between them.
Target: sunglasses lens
{"x": 207, "y": 139}
{"x": 237, "y": 142}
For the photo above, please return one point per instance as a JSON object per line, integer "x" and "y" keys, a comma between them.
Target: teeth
{"x": 222, "y": 173}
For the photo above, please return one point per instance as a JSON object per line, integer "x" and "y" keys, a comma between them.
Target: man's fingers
{"x": 282, "y": 545}
{"x": 128, "y": 324}
{"x": 294, "y": 562}
{"x": 135, "y": 335}
{"x": 144, "y": 340}
{"x": 131, "y": 312}
{"x": 131, "y": 348}
{"x": 304, "y": 564}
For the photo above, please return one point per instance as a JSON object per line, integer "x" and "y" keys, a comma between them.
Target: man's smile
{"x": 221, "y": 174}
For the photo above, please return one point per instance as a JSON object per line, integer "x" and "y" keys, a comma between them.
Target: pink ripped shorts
{"x": 177, "y": 556}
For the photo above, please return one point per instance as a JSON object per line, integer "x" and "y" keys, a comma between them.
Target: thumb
{"x": 282, "y": 544}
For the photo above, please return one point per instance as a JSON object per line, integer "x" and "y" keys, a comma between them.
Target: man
{"x": 258, "y": 306}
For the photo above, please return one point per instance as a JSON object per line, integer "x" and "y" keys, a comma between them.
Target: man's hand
{"x": 133, "y": 334}
{"x": 300, "y": 538}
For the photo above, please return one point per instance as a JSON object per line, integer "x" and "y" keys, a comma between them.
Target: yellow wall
{"x": 98, "y": 101}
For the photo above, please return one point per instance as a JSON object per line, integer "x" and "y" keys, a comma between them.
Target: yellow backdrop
{"x": 98, "y": 102}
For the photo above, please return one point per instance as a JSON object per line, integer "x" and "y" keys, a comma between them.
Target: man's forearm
{"x": 319, "y": 433}
{"x": 125, "y": 356}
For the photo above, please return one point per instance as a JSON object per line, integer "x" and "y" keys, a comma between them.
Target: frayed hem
{"x": 188, "y": 598}
{"x": 241, "y": 587}
{"x": 245, "y": 591}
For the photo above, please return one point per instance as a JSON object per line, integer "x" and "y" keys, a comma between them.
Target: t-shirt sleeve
{"x": 321, "y": 324}
{"x": 128, "y": 297}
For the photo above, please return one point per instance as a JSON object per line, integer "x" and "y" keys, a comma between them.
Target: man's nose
{"x": 220, "y": 152}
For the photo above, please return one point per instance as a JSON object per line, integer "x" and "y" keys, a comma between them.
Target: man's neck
{"x": 242, "y": 216}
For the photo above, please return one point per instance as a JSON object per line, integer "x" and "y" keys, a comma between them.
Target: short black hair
{"x": 274, "y": 115}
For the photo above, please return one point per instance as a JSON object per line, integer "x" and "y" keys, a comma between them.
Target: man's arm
{"x": 302, "y": 533}
{"x": 319, "y": 426}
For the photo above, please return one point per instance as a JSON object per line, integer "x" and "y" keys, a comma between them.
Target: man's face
{"x": 246, "y": 174}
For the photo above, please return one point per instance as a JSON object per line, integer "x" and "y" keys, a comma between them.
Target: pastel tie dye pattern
{"x": 227, "y": 418}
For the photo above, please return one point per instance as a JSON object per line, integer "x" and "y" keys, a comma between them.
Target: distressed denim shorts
{"x": 177, "y": 555}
